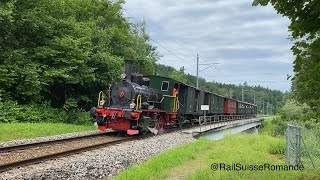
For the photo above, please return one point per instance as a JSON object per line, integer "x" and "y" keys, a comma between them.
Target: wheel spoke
{"x": 159, "y": 123}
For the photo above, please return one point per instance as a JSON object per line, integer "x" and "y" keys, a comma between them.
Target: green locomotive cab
{"x": 169, "y": 89}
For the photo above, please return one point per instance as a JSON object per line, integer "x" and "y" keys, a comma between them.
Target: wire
{"x": 166, "y": 62}
{"x": 186, "y": 57}
{"x": 203, "y": 59}
{"x": 168, "y": 49}
{"x": 164, "y": 35}
{"x": 171, "y": 52}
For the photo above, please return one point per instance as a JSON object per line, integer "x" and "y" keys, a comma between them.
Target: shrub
{"x": 293, "y": 111}
{"x": 278, "y": 127}
{"x": 12, "y": 112}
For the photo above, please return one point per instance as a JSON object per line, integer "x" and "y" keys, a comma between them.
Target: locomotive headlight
{"x": 102, "y": 102}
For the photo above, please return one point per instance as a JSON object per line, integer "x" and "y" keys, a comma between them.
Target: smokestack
{"x": 128, "y": 69}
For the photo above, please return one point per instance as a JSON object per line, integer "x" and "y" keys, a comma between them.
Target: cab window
{"x": 165, "y": 86}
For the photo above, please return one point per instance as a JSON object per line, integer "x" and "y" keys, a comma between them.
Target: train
{"x": 139, "y": 104}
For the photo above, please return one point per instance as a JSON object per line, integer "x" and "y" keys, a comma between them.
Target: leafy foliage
{"x": 144, "y": 54}
{"x": 179, "y": 76}
{"x": 278, "y": 126}
{"x": 12, "y": 112}
{"x": 65, "y": 51}
{"x": 305, "y": 31}
{"x": 293, "y": 111}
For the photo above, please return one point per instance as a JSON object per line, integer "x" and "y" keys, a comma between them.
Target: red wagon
{"x": 230, "y": 106}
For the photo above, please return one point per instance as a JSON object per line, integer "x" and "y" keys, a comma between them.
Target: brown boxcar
{"x": 230, "y": 106}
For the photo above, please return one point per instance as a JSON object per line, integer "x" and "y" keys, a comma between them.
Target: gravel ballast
{"x": 47, "y": 138}
{"x": 100, "y": 163}
{"x": 44, "y": 150}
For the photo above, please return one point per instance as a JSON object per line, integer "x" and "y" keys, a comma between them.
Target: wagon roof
{"x": 198, "y": 88}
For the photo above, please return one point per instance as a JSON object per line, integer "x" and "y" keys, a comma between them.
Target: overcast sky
{"x": 250, "y": 43}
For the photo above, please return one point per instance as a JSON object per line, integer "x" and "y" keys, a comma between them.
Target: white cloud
{"x": 231, "y": 32}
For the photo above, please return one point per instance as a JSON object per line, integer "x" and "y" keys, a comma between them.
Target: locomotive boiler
{"x": 133, "y": 87}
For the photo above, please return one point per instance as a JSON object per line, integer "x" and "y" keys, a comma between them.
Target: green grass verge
{"x": 193, "y": 161}
{"x": 14, "y": 131}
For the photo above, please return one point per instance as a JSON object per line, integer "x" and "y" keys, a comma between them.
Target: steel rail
{"x": 25, "y": 162}
{"x": 8, "y": 166}
{"x": 41, "y": 143}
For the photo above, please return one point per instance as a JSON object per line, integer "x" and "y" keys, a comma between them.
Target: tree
{"x": 305, "y": 29}
{"x": 179, "y": 76}
{"x": 66, "y": 51}
{"x": 144, "y": 54}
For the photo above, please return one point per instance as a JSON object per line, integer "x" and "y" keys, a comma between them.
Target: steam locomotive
{"x": 140, "y": 104}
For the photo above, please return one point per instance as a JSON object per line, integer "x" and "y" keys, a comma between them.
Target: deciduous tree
{"x": 305, "y": 30}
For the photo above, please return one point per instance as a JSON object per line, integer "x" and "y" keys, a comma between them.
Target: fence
{"x": 219, "y": 120}
{"x": 303, "y": 147}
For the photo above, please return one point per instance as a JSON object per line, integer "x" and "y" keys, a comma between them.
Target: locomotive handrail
{"x": 139, "y": 99}
{"x": 169, "y": 96}
{"x": 176, "y": 102}
{"x": 99, "y": 97}
{"x": 165, "y": 96}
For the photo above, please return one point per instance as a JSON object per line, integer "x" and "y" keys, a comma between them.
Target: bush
{"x": 12, "y": 112}
{"x": 294, "y": 111}
{"x": 77, "y": 116}
{"x": 278, "y": 126}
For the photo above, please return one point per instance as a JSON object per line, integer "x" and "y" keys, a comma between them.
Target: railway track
{"x": 34, "y": 144}
{"x": 31, "y": 153}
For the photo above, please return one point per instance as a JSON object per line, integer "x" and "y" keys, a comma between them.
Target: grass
{"x": 15, "y": 131}
{"x": 267, "y": 126}
{"x": 193, "y": 161}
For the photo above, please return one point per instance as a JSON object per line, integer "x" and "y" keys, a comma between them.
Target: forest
{"x": 55, "y": 56}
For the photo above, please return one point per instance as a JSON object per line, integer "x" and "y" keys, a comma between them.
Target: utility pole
{"x": 208, "y": 66}
{"x": 254, "y": 98}
{"x": 230, "y": 93}
{"x": 197, "y": 71}
{"x": 242, "y": 94}
{"x": 263, "y": 107}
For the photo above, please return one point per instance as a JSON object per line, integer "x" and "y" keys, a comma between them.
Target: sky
{"x": 250, "y": 44}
